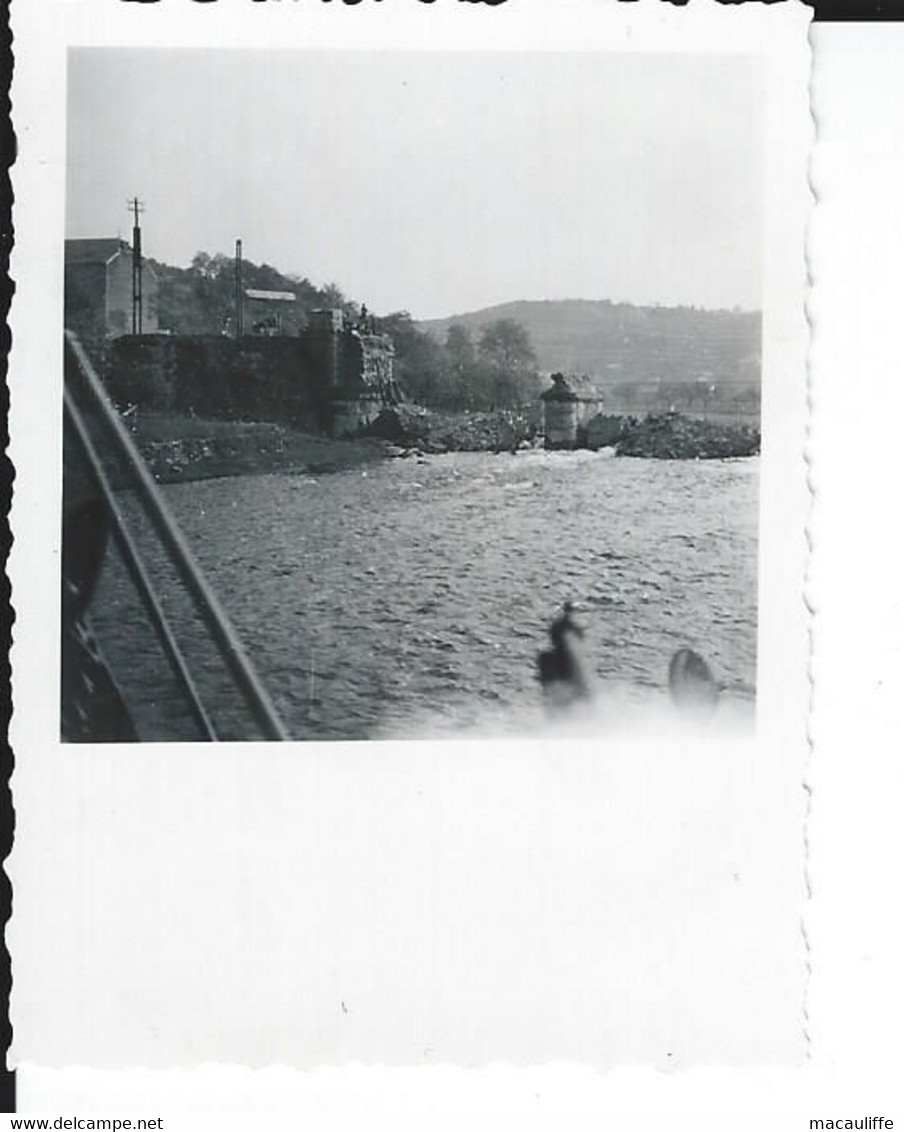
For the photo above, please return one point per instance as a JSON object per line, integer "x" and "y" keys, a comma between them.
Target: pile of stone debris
{"x": 672, "y": 436}
{"x": 414, "y": 428}
{"x": 659, "y": 436}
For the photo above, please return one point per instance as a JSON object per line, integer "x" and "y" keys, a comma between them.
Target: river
{"x": 411, "y": 596}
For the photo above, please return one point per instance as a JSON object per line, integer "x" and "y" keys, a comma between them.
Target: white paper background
{"x": 852, "y": 722}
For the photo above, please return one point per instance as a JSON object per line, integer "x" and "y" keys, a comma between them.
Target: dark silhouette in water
{"x": 692, "y": 686}
{"x": 560, "y": 669}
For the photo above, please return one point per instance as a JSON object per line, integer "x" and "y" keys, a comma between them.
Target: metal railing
{"x": 91, "y": 392}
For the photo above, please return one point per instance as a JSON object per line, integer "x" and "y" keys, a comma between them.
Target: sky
{"x": 435, "y": 183}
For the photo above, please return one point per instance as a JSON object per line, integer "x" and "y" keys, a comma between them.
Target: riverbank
{"x": 658, "y": 436}
{"x": 179, "y": 447}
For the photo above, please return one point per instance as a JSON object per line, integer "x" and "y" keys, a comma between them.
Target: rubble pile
{"x": 412, "y": 427}
{"x": 672, "y": 436}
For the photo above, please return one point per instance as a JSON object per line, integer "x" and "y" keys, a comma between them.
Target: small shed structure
{"x": 567, "y": 407}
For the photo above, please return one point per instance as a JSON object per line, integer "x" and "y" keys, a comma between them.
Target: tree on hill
{"x": 204, "y": 265}
{"x": 463, "y": 372}
{"x": 509, "y": 363}
{"x": 505, "y": 344}
{"x": 454, "y": 374}
{"x": 460, "y": 348}
{"x": 420, "y": 361}
{"x": 333, "y": 298}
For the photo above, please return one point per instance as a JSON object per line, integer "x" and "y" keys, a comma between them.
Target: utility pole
{"x": 136, "y": 208}
{"x": 239, "y": 305}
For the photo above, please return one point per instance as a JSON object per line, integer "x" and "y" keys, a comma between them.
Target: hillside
{"x": 200, "y": 299}
{"x": 617, "y": 342}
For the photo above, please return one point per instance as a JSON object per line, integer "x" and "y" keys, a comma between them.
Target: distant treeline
{"x": 498, "y": 370}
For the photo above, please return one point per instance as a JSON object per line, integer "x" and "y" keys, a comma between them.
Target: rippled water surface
{"x": 413, "y": 596}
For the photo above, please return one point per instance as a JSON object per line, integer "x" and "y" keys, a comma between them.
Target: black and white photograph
{"x": 410, "y": 529}
{"x": 410, "y": 395}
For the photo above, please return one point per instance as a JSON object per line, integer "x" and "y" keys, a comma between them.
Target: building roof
{"x": 270, "y": 296}
{"x": 94, "y": 251}
{"x": 560, "y": 390}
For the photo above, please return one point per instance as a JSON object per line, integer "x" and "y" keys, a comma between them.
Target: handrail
{"x": 139, "y": 575}
{"x": 213, "y": 614}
